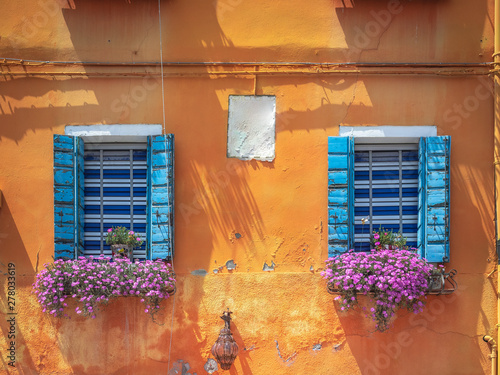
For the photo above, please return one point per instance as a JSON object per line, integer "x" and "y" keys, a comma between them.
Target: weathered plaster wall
{"x": 270, "y": 219}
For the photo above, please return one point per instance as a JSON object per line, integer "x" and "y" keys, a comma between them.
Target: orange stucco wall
{"x": 284, "y": 320}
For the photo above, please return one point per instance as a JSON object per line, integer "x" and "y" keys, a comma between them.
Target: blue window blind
{"x": 399, "y": 187}
{"x": 115, "y": 193}
{"x": 130, "y": 185}
{"x": 386, "y": 191}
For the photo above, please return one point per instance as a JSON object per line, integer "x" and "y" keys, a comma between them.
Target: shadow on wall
{"x": 216, "y": 191}
{"x": 35, "y": 103}
{"x": 225, "y": 200}
{"x": 129, "y": 340}
{"x": 92, "y": 39}
{"x": 243, "y": 354}
{"x": 473, "y": 215}
{"x": 14, "y": 287}
{"x": 419, "y": 338}
{"x": 365, "y": 25}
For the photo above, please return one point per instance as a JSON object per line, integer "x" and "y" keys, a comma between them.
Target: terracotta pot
{"x": 122, "y": 251}
{"x": 390, "y": 247}
{"x": 171, "y": 290}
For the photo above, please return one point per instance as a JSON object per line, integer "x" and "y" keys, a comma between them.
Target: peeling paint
{"x": 211, "y": 366}
{"x": 200, "y": 272}
{"x": 279, "y": 242}
{"x": 181, "y": 368}
{"x": 269, "y": 268}
{"x": 317, "y": 347}
{"x": 230, "y": 265}
{"x": 337, "y": 347}
{"x": 279, "y": 354}
{"x": 237, "y": 235}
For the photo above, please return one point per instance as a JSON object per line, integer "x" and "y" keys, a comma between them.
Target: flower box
{"x": 438, "y": 283}
{"x": 394, "y": 279}
{"x": 94, "y": 282}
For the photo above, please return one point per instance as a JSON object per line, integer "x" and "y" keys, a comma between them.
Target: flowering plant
{"x": 96, "y": 282}
{"x": 382, "y": 238}
{"x": 123, "y": 236}
{"x": 394, "y": 279}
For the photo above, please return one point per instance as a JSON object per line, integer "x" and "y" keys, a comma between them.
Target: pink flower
{"x": 131, "y": 232}
{"x": 138, "y": 239}
{"x": 110, "y": 230}
{"x": 376, "y": 236}
{"x": 377, "y": 243}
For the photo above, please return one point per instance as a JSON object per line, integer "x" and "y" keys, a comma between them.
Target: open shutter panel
{"x": 80, "y": 196}
{"x": 161, "y": 196}
{"x": 68, "y": 196}
{"x": 340, "y": 194}
{"x": 434, "y": 198}
{"x": 422, "y": 219}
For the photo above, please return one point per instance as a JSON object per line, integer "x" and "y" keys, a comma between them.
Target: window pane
{"x": 115, "y": 193}
{"x": 386, "y": 191}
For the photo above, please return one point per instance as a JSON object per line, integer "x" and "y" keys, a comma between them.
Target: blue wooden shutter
{"x": 68, "y": 196}
{"x": 434, "y": 199}
{"x": 160, "y": 213}
{"x": 340, "y": 194}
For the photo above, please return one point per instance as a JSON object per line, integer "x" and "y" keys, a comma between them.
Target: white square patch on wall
{"x": 251, "y": 130}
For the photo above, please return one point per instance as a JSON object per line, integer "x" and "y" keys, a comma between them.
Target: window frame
{"x": 433, "y": 218}
{"x": 68, "y": 187}
{"x": 101, "y": 150}
{"x": 389, "y": 144}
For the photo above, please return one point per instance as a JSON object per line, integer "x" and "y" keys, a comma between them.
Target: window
{"x": 98, "y": 185}
{"x": 396, "y": 183}
{"x": 385, "y": 191}
{"x": 114, "y": 190}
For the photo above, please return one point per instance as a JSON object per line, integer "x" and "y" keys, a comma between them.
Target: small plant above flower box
{"x": 383, "y": 239}
{"x": 393, "y": 277}
{"x": 122, "y": 242}
{"x": 95, "y": 281}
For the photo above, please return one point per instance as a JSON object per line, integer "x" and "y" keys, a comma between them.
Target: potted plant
{"x": 387, "y": 239}
{"x": 122, "y": 242}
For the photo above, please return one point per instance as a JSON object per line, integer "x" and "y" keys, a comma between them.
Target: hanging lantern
{"x": 225, "y": 348}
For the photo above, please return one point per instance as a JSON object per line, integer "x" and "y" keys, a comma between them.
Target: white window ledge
{"x": 388, "y": 131}
{"x": 114, "y": 133}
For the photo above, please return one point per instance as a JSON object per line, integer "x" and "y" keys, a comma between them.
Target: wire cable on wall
{"x": 166, "y": 174}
